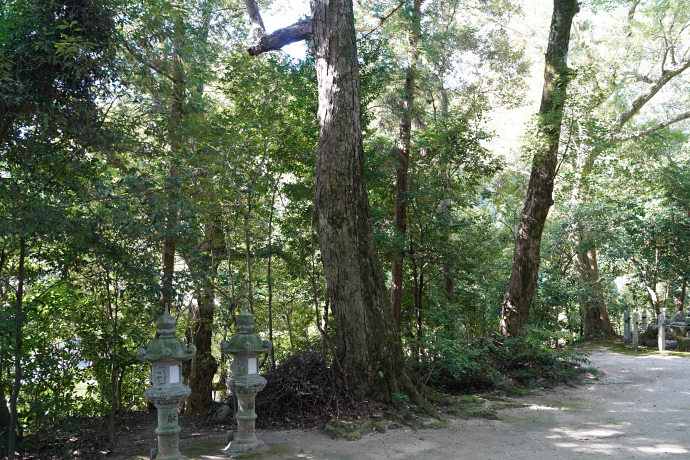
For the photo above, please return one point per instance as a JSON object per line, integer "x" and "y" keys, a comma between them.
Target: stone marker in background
{"x": 644, "y": 320}
{"x": 636, "y": 332}
{"x": 626, "y": 327}
{"x": 662, "y": 332}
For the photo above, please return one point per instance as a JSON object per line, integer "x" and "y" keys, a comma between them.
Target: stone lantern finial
{"x": 245, "y": 322}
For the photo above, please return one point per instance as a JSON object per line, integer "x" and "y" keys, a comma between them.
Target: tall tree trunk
{"x": 595, "y": 318}
{"x": 175, "y": 139}
{"x": 204, "y": 365}
{"x": 403, "y": 160}
{"x": 368, "y": 347}
{"x": 526, "y": 258}
{"x": 269, "y": 275}
{"x": 4, "y": 413}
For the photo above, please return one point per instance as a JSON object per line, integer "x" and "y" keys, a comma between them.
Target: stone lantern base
{"x": 245, "y": 446}
{"x": 246, "y": 388}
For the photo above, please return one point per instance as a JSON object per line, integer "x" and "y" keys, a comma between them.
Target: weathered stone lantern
{"x": 245, "y": 348}
{"x": 167, "y": 391}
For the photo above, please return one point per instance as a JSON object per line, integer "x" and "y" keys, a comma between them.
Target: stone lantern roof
{"x": 166, "y": 346}
{"x": 245, "y": 340}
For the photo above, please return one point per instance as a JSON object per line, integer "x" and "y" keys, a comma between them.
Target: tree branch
{"x": 643, "y": 132}
{"x": 258, "y": 29}
{"x": 384, "y": 18}
{"x": 645, "y": 96}
{"x": 146, "y": 61}
{"x": 274, "y": 41}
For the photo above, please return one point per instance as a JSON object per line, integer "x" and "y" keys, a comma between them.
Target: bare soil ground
{"x": 637, "y": 406}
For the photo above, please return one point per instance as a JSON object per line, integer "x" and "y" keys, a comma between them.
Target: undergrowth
{"x": 473, "y": 365}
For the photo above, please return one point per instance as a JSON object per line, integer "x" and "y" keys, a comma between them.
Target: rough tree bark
{"x": 368, "y": 347}
{"x": 403, "y": 159}
{"x": 4, "y": 414}
{"x": 367, "y": 344}
{"x": 526, "y": 258}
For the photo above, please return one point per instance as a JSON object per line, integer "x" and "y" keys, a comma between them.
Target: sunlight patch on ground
{"x": 538, "y": 407}
{"x": 585, "y": 435}
{"x": 664, "y": 449}
{"x": 604, "y": 449}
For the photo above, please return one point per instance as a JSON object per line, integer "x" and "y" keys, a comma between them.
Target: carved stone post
{"x": 662, "y": 332}
{"x": 626, "y": 327}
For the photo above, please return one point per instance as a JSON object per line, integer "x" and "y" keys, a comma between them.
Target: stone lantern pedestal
{"x": 167, "y": 391}
{"x": 246, "y": 382}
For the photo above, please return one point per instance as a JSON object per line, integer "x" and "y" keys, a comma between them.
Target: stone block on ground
{"x": 676, "y": 331}
{"x": 684, "y": 344}
{"x": 222, "y": 413}
{"x": 649, "y": 337}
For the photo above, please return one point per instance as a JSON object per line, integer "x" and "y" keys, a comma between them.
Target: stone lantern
{"x": 245, "y": 348}
{"x": 167, "y": 391}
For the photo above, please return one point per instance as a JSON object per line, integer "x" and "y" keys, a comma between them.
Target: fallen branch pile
{"x": 304, "y": 392}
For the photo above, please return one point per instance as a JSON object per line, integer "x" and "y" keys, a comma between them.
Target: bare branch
{"x": 666, "y": 49}
{"x": 631, "y": 16}
{"x": 384, "y": 18}
{"x": 258, "y": 29}
{"x": 642, "y": 78}
{"x": 643, "y": 132}
{"x": 646, "y": 95}
{"x": 281, "y": 37}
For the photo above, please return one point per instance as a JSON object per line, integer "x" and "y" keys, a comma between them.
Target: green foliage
{"x": 92, "y": 161}
{"x": 458, "y": 364}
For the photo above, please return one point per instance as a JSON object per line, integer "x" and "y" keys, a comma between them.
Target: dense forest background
{"x": 148, "y": 159}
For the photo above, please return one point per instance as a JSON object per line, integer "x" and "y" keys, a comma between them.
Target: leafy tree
{"x": 618, "y": 97}
{"x": 523, "y": 279}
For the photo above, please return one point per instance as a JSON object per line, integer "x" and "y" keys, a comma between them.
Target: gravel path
{"x": 639, "y": 407}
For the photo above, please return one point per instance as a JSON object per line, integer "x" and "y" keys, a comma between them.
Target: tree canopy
{"x": 356, "y": 199}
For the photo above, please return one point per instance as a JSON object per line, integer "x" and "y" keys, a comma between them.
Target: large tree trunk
{"x": 4, "y": 416}
{"x": 595, "y": 318}
{"x": 526, "y": 258}
{"x": 401, "y": 186}
{"x": 175, "y": 139}
{"x": 204, "y": 365}
{"x": 368, "y": 347}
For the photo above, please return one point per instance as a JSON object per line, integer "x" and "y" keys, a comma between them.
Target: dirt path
{"x": 638, "y": 408}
